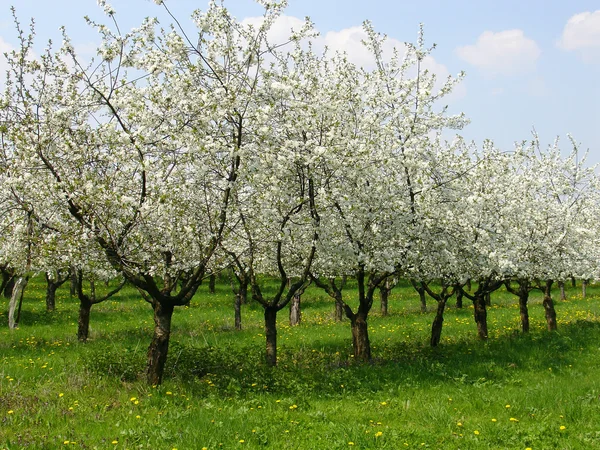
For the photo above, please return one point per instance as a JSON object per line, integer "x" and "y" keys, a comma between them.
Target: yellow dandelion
{"x": 10, "y": 411}
{"x": 242, "y": 441}
{"x": 476, "y": 432}
{"x": 459, "y": 424}
{"x": 66, "y": 442}
{"x": 494, "y": 420}
{"x": 169, "y": 393}
{"x": 115, "y": 442}
{"x": 507, "y": 406}
{"x": 61, "y": 394}
{"x": 379, "y": 433}
{"x": 562, "y": 428}
{"x": 512, "y": 419}
{"x": 132, "y": 399}
{"x": 350, "y": 443}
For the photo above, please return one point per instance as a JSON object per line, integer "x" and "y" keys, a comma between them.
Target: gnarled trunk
{"x": 271, "y": 335}
{"x": 83, "y": 322}
{"x": 563, "y": 295}
{"x": 237, "y": 307}
{"x": 480, "y": 314}
{"x": 159, "y": 347}
{"x": 339, "y": 307}
{"x": 459, "y": 298}
{"x": 16, "y": 299}
{"x": 423, "y": 300}
{"x": 384, "y": 293}
{"x": 295, "y": 312}
{"x": 360, "y": 338}
{"x": 212, "y": 281}
{"x": 436, "y": 326}
{"x": 524, "y": 311}
{"x": 549, "y": 307}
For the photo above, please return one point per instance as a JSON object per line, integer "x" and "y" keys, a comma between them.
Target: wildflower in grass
{"x": 350, "y": 443}
{"x": 494, "y": 420}
{"x": 10, "y": 411}
{"x": 528, "y": 448}
{"x": 115, "y": 442}
{"x": 294, "y": 407}
{"x": 66, "y": 442}
{"x": 138, "y": 417}
{"x": 379, "y": 433}
{"x": 459, "y": 424}
{"x": 61, "y": 394}
{"x": 512, "y": 419}
{"x": 383, "y": 403}
{"x": 242, "y": 441}
{"x": 169, "y": 393}
{"x": 562, "y": 428}
{"x": 507, "y": 406}
{"x": 132, "y": 399}
{"x": 476, "y": 432}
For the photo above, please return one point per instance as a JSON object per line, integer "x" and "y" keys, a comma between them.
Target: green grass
{"x": 513, "y": 392}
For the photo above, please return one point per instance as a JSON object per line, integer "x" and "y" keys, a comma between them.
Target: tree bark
{"x": 339, "y": 309}
{"x": 549, "y": 310}
{"x": 159, "y": 347}
{"x": 16, "y": 299}
{"x": 488, "y": 299}
{"x": 436, "y": 326}
{"x": 480, "y": 314}
{"x": 238, "y": 311}
{"x": 360, "y": 338}
{"x": 523, "y": 309}
{"x": 212, "y": 281}
{"x": 384, "y": 293}
{"x": 563, "y": 295}
{"x": 459, "y": 298}
{"x": 584, "y": 285}
{"x": 573, "y": 282}
{"x": 73, "y": 282}
{"x": 83, "y": 323}
{"x": 295, "y": 312}
{"x": 271, "y": 335}
{"x": 51, "y": 296}
{"x": 423, "y": 300}
{"x": 9, "y": 287}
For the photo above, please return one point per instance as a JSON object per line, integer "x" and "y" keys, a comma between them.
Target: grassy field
{"x": 538, "y": 391}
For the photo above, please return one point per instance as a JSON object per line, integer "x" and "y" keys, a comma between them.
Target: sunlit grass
{"x": 537, "y": 391}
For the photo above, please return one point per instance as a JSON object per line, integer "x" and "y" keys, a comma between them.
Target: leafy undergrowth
{"x": 514, "y": 391}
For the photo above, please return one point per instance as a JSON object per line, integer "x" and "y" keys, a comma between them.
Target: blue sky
{"x": 529, "y": 63}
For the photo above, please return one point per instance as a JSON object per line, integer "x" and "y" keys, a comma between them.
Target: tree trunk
{"x": 422, "y": 299}
{"x": 480, "y": 313}
{"x": 238, "y": 311}
{"x": 212, "y": 281}
{"x": 549, "y": 307}
{"x": 563, "y": 295}
{"x": 271, "y": 335}
{"x": 159, "y": 347}
{"x": 51, "y": 288}
{"x": 573, "y": 282}
{"x": 15, "y": 302}
{"x": 584, "y": 285}
{"x": 360, "y": 338}
{"x": 488, "y": 299}
{"x": 244, "y": 293}
{"x": 438, "y": 321}
{"x": 73, "y": 282}
{"x": 83, "y": 323}
{"x": 384, "y": 294}
{"x": 523, "y": 299}
{"x": 295, "y": 312}
{"x": 459, "y": 298}
{"x": 339, "y": 308}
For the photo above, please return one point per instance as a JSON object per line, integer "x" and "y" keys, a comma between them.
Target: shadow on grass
{"x": 327, "y": 370}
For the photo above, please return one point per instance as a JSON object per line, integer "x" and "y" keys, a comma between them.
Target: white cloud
{"x": 349, "y": 40}
{"x": 582, "y": 34}
{"x": 507, "y": 52}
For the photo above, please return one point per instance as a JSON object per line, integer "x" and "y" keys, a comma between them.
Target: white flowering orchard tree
{"x": 143, "y": 147}
{"x": 371, "y": 220}
{"x": 551, "y": 233}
